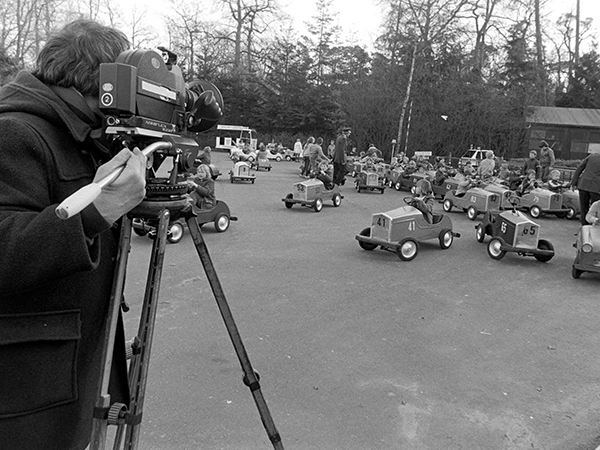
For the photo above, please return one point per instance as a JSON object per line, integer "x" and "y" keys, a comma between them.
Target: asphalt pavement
{"x": 358, "y": 350}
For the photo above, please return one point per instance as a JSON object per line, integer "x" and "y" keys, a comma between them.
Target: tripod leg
{"x": 250, "y": 377}
{"x": 138, "y": 369}
{"x": 100, "y": 422}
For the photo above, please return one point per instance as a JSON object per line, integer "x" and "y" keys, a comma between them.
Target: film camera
{"x": 145, "y": 100}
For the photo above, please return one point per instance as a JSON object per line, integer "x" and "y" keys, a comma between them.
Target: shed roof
{"x": 551, "y": 115}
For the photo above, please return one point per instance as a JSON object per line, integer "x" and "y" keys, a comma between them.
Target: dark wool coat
{"x": 587, "y": 176}
{"x": 56, "y": 274}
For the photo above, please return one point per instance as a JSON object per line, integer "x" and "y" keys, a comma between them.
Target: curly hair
{"x": 71, "y": 57}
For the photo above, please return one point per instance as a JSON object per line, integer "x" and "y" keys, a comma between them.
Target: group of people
{"x": 316, "y": 164}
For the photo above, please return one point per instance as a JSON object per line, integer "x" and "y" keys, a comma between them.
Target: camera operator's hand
{"x": 128, "y": 190}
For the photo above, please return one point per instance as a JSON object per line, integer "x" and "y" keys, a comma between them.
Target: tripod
{"x": 128, "y": 418}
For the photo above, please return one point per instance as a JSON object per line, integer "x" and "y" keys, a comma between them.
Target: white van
{"x": 231, "y": 137}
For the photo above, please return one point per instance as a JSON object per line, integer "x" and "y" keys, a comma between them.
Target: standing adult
{"x": 587, "y": 179}
{"x": 58, "y": 274}
{"x": 547, "y": 160}
{"x": 486, "y": 168}
{"x": 306, "y": 157}
{"x": 339, "y": 157}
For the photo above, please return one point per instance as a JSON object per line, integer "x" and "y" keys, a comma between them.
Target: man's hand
{"x": 128, "y": 190}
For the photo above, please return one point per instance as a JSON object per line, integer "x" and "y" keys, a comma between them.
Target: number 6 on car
{"x": 513, "y": 231}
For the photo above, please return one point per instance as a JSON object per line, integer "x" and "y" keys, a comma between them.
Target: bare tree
{"x": 245, "y": 14}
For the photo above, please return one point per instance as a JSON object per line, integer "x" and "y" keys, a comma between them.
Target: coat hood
{"x": 59, "y": 106}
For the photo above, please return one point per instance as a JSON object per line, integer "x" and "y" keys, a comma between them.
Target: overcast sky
{"x": 362, "y": 18}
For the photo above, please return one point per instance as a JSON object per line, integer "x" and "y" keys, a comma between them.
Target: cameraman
{"x": 57, "y": 274}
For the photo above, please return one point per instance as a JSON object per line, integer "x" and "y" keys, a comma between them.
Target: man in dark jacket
{"x": 587, "y": 179}
{"x": 339, "y": 157}
{"x": 57, "y": 274}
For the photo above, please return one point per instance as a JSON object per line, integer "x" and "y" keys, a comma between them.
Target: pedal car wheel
{"x": 576, "y": 273}
{"x": 480, "y": 233}
{"x": 175, "y": 233}
{"x": 447, "y": 205}
{"x": 446, "y": 239}
{"x": 288, "y": 205}
{"x": 407, "y": 249}
{"x": 366, "y": 245}
{"x": 318, "y": 205}
{"x": 143, "y": 231}
{"x": 571, "y": 214}
{"x": 221, "y": 222}
{"x": 288, "y": 158}
{"x": 337, "y": 200}
{"x": 494, "y": 249}
{"x": 535, "y": 212}
{"x": 544, "y": 245}
{"x": 472, "y": 213}
{"x": 391, "y": 183}
{"x": 398, "y": 185}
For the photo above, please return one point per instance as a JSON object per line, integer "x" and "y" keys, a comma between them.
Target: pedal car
{"x": 513, "y": 231}
{"x": 311, "y": 193}
{"x": 474, "y": 202}
{"x": 219, "y": 215}
{"x": 357, "y": 167}
{"x": 588, "y": 251}
{"x": 383, "y": 170}
{"x": 400, "y": 230}
{"x": 241, "y": 172}
{"x": 542, "y": 201}
{"x": 502, "y": 190}
{"x": 259, "y": 164}
{"x": 449, "y": 184}
{"x": 238, "y": 154}
{"x": 570, "y": 202}
{"x": 371, "y": 181}
{"x": 407, "y": 182}
{"x": 272, "y": 154}
{"x": 394, "y": 178}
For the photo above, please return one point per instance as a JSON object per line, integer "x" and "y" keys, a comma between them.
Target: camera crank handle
{"x": 77, "y": 201}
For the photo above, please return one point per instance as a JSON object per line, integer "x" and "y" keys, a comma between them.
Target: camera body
{"x": 145, "y": 99}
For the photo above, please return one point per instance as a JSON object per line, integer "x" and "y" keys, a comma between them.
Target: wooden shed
{"x": 572, "y": 133}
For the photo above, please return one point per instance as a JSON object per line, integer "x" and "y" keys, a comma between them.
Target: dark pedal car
{"x": 219, "y": 215}
{"x": 570, "y": 203}
{"x": 369, "y": 181}
{"x": 241, "y": 172}
{"x": 588, "y": 251}
{"x": 400, "y": 230}
{"x": 512, "y": 231}
{"x": 449, "y": 184}
{"x": 474, "y": 202}
{"x": 312, "y": 193}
